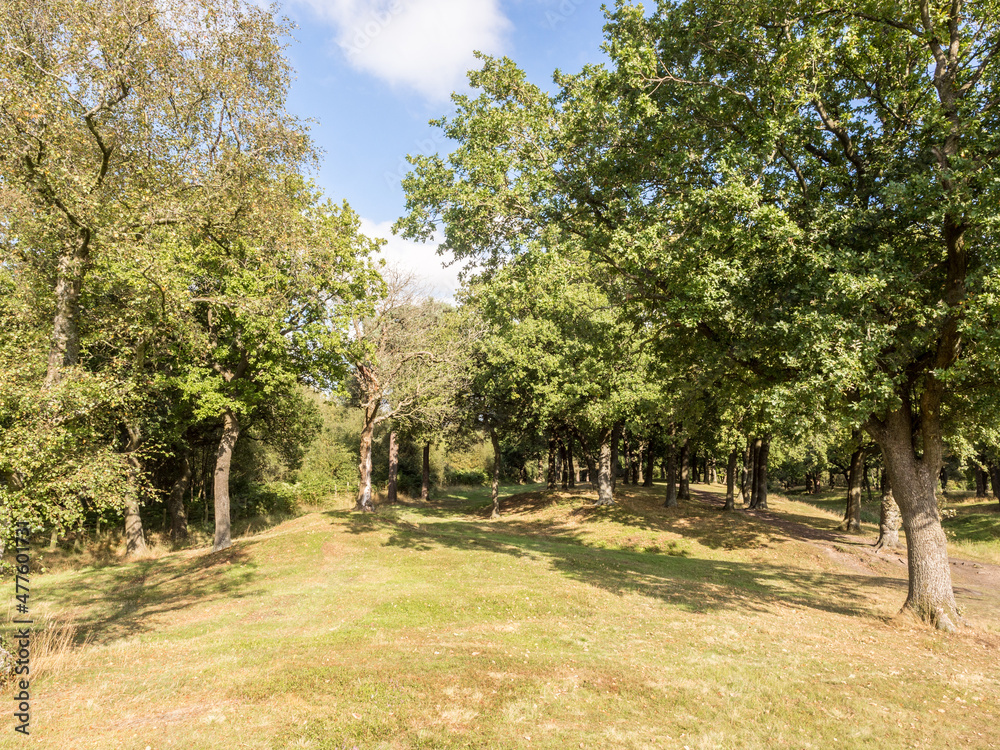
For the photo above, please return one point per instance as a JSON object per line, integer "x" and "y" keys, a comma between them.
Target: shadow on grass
{"x": 665, "y": 571}
{"x": 835, "y": 501}
{"x": 980, "y": 523}
{"x": 127, "y": 599}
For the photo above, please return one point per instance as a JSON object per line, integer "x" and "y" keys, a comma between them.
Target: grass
{"x": 835, "y": 501}
{"x": 973, "y": 529}
{"x": 559, "y": 626}
{"x": 971, "y": 525}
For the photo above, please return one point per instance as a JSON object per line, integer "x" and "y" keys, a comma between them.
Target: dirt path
{"x": 977, "y": 585}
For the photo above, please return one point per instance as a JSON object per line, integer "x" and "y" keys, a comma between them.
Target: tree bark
{"x": 616, "y": 435}
{"x": 754, "y": 470}
{"x": 760, "y": 474}
{"x": 605, "y": 482}
{"x": 684, "y": 488}
{"x": 135, "y": 540}
{"x": 671, "y": 462}
{"x": 913, "y": 480}
{"x": 889, "y": 520}
{"x": 569, "y": 461}
{"x": 980, "y": 482}
{"x": 852, "y": 513}
{"x": 626, "y": 457}
{"x": 364, "y": 501}
{"x": 745, "y": 473}
{"x": 995, "y": 479}
{"x": 223, "y": 462}
{"x": 551, "y": 479}
{"x": 592, "y": 471}
{"x": 647, "y": 477}
{"x": 175, "y": 501}
{"x": 425, "y": 476}
{"x": 563, "y": 465}
{"x": 495, "y": 485}
{"x": 734, "y": 457}
{"x": 392, "y": 489}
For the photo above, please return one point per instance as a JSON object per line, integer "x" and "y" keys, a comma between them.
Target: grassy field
{"x": 559, "y": 626}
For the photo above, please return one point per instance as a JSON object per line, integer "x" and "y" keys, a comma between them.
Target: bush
{"x": 263, "y": 500}
{"x": 468, "y": 477}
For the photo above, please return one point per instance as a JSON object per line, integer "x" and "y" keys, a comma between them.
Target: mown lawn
{"x": 559, "y": 626}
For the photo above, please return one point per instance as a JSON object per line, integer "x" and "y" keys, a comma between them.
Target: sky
{"x": 372, "y": 73}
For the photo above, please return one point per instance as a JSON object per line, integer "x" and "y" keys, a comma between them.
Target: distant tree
{"x": 397, "y": 362}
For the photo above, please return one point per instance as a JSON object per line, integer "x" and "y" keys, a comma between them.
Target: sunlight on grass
{"x": 560, "y": 625}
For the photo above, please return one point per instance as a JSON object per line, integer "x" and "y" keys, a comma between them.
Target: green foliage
{"x": 58, "y": 456}
{"x": 330, "y": 463}
{"x": 467, "y": 477}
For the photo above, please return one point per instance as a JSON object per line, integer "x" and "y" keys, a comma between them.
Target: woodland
{"x": 755, "y": 249}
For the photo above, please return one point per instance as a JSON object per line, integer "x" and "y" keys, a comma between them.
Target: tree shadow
{"x": 128, "y": 599}
{"x": 668, "y": 572}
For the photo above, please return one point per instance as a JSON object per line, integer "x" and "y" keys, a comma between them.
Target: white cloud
{"x": 419, "y": 257}
{"x": 425, "y": 45}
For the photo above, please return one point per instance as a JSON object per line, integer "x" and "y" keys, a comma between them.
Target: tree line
{"x": 757, "y": 242}
{"x": 789, "y": 207}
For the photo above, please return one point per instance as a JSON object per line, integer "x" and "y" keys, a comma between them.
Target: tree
{"x": 808, "y": 189}
{"x": 866, "y": 158}
{"x": 392, "y": 353}
{"x": 128, "y": 128}
{"x": 120, "y": 117}
{"x": 270, "y": 307}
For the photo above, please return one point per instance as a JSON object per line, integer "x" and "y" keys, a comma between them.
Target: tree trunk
{"x": 495, "y": 485}
{"x": 425, "y": 476}
{"x": 64, "y": 350}
{"x": 626, "y": 456}
{"x": 175, "y": 501}
{"x": 616, "y": 435}
{"x": 135, "y": 540}
{"x": 605, "y": 482}
{"x": 647, "y": 477}
{"x": 745, "y": 473}
{"x": 223, "y": 461}
{"x": 852, "y": 514}
{"x": 391, "y": 490}
{"x": 569, "y": 461}
{"x": 754, "y": 470}
{"x": 808, "y": 483}
{"x": 913, "y": 481}
{"x": 671, "y": 462}
{"x": 760, "y": 475}
{"x": 995, "y": 479}
{"x": 980, "y": 482}
{"x": 551, "y": 479}
{"x": 563, "y": 466}
{"x": 734, "y": 457}
{"x": 693, "y": 466}
{"x": 684, "y": 489}
{"x": 889, "y": 520}
{"x": 592, "y": 472}
{"x": 364, "y": 501}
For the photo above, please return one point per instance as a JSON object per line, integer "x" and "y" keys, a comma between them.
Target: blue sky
{"x": 373, "y": 72}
